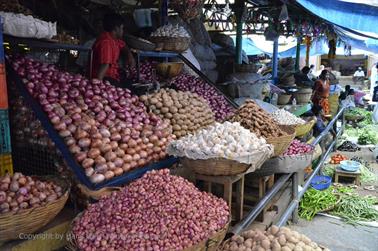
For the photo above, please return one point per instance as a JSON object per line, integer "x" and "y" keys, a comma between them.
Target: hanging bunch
{"x": 187, "y": 9}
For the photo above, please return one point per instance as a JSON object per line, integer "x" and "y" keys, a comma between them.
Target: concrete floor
{"x": 337, "y": 235}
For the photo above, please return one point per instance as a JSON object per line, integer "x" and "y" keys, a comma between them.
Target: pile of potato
{"x": 274, "y": 239}
{"x": 251, "y": 116}
{"x": 186, "y": 111}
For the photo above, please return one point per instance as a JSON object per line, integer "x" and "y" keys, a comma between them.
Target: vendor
{"x": 107, "y": 50}
{"x": 302, "y": 79}
{"x": 321, "y": 92}
{"x": 359, "y": 76}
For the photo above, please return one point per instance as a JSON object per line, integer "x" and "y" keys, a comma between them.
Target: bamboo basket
{"x": 211, "y": 244}
{"x": 302, "y": 130}
{"x": 28, "y": 221}
{"x": 303, "y": 96}
{"x": 177, "y": 44}
{"x": 282, "y": 143}
{"x": 215, "y": 167}
{"x": 283, "y": 99}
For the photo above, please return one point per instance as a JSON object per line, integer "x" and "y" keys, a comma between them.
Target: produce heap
{"x": 337, "y": 158}
{"x": 251, "y": 116}
{"x": 340, "y": 201}
{"x": 368, "y": 135}
{"x": 26, "y": 128}
{"x": 227, "y": 140}
{"x": 283, "y": 117}
{"x": 219, "y": 105}
{"x": 275, "y": 239}
{"x": 187, "y": 112}
{"x": 185, "y": 82}
{"x": 156, "y": 212}
{"x": 298, "y": 148}
{"x": 107, "y": 129}
{"x": 18, "y": 192}
{"x": 170, "y": 30}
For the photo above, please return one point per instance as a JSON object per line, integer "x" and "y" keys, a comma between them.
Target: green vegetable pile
{"x": 339, "y": 201}
{"x": 361, "y": 112}
{"x": 354, "y": 208}
{"x": 315, "y": 201}
{"x": 366, "y": 136}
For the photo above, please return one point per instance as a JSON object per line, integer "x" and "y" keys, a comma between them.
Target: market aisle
{"x": 338, "y": 235}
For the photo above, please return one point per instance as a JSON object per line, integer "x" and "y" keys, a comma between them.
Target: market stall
{"x": 156, "y": 169}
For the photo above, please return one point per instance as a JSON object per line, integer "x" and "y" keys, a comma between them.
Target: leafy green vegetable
{"x": 367, "y": 137}
{"x": 329, "y": 170}
{"x": 315, "y": 201}
{"x": 353, "y": 208}
{"x": 367, "y": 176}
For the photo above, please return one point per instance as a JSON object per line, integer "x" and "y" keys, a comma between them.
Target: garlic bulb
{"x": 228, "y": 140}
{"x": 170, "y": 31}
{"x": 284, "y": 117}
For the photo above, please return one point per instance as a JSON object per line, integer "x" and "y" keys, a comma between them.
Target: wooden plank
{"x": 239, "y": 199}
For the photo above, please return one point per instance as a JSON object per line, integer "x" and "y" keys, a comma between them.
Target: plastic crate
{"x": 6, "y": 165}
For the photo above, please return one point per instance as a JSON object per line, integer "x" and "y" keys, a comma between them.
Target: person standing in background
{"x": 359, "y": 76}
{"x": 321, "y": 92}
{"x": 107, "y": 50}
{"x": 311, "y": 74}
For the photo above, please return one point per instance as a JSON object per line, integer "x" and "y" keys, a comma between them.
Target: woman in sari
{"x": 321, "y": 92}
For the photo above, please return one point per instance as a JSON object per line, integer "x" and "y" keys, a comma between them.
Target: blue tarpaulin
{"x": 355, "y": 16}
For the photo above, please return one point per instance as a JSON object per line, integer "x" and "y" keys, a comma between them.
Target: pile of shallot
{"x": 298, "y": 148}
{"x": 156, "y": 212}
{"x": 106, "y": 128}
{"x": 218, "y": 104}
{"x": 146, "y": 74}
{"x": 19, "y": 192}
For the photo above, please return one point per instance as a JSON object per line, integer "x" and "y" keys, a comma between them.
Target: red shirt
{"x": 106, "y": 50}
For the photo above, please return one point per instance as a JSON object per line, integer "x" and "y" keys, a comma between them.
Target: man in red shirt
{"x": 107, "y": 50}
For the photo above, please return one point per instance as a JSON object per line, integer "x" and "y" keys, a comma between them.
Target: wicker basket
{"x": 303, "y": 96}
{"x": 215, "y": 167}
{"x": 177, "y": 44}
{"x": 169, "y": 70}
{"x": 251, "y": 68}
{"x": 30, "y": 220}
{"x": 282, "y": 143}
{"x": 210, "y": 244}
{"x": 302, "y": 130}
{"x": 283, "y": 99}
{"x": 139, "y": 43}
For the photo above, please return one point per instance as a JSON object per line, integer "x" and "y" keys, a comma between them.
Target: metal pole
{"x": 252, "y": 215}
{"x": 163, "y": 12}
{"x": 293, "y": 205}
{"x": 275, "y": 61}
{"x": 239, "y": 4}
{"x": 294, "y": 191}
{"x": 298, "y": 53}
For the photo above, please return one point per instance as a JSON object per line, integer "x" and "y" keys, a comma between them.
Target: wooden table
{"x": 227, "y": 182}
{"x": 341, "y": 173}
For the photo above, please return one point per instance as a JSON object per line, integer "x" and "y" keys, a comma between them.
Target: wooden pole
{"x": 298, "y": 53}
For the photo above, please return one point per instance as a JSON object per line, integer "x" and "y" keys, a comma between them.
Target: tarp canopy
{"x": 358, "y": 16}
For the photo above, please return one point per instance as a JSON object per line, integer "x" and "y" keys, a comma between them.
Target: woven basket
{"x": 302, "y": 130}
{"x": 251, "y": 68}
{"x": 210, "y": 244}
{"x": 303, "y": 96}
{"x": 169, "y": 70}
{"x": 282, "y": 143}
{"x": 139, "y": 43}
{"x": 215, "y": 167}
{"x": 177, "y": 44}
{"x": 30, "y": 220}
{"x": 283, "y": 99}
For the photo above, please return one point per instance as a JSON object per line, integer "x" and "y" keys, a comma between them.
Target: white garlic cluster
{"x": 170, "y": 30}
{"x": 228, "y": 140}
{"x": 284, "y": 117}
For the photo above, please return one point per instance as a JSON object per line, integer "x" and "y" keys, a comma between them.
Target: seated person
{"x": 359, "y": 76}
{"x": 302, "y": 79}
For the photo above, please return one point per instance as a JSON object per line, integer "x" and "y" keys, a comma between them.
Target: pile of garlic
{"x": 228, "y": 140}
{"x": 284, "y": 117}
{"x": 170, "y": 30}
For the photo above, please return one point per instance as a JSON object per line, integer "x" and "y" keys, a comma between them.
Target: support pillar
{"x": 308, "y": 46}
{"x": 298, "y": 53}
{"x": 239, "y": 6}
{"x": 275, "y": 61}
{"x": 163, "y": 12}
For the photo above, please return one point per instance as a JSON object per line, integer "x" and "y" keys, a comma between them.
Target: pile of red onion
{"x": 106, "y": 128}
{"x": 145, "y": 72}
{"x": 18, "y": 192}
{"x": 156, "y": 212}
{"x": 217, "y": 102}
{"x": 298, "y": 148}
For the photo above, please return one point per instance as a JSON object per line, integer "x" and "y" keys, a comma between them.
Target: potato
{"x": 248, "y": 243}
{"x": 285, "y": 248}
{"x": 282, "y": 240}
{"x": 274, "y": 230}
{"x": 265, "y": 244}
{"x": 298, "y": 248}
